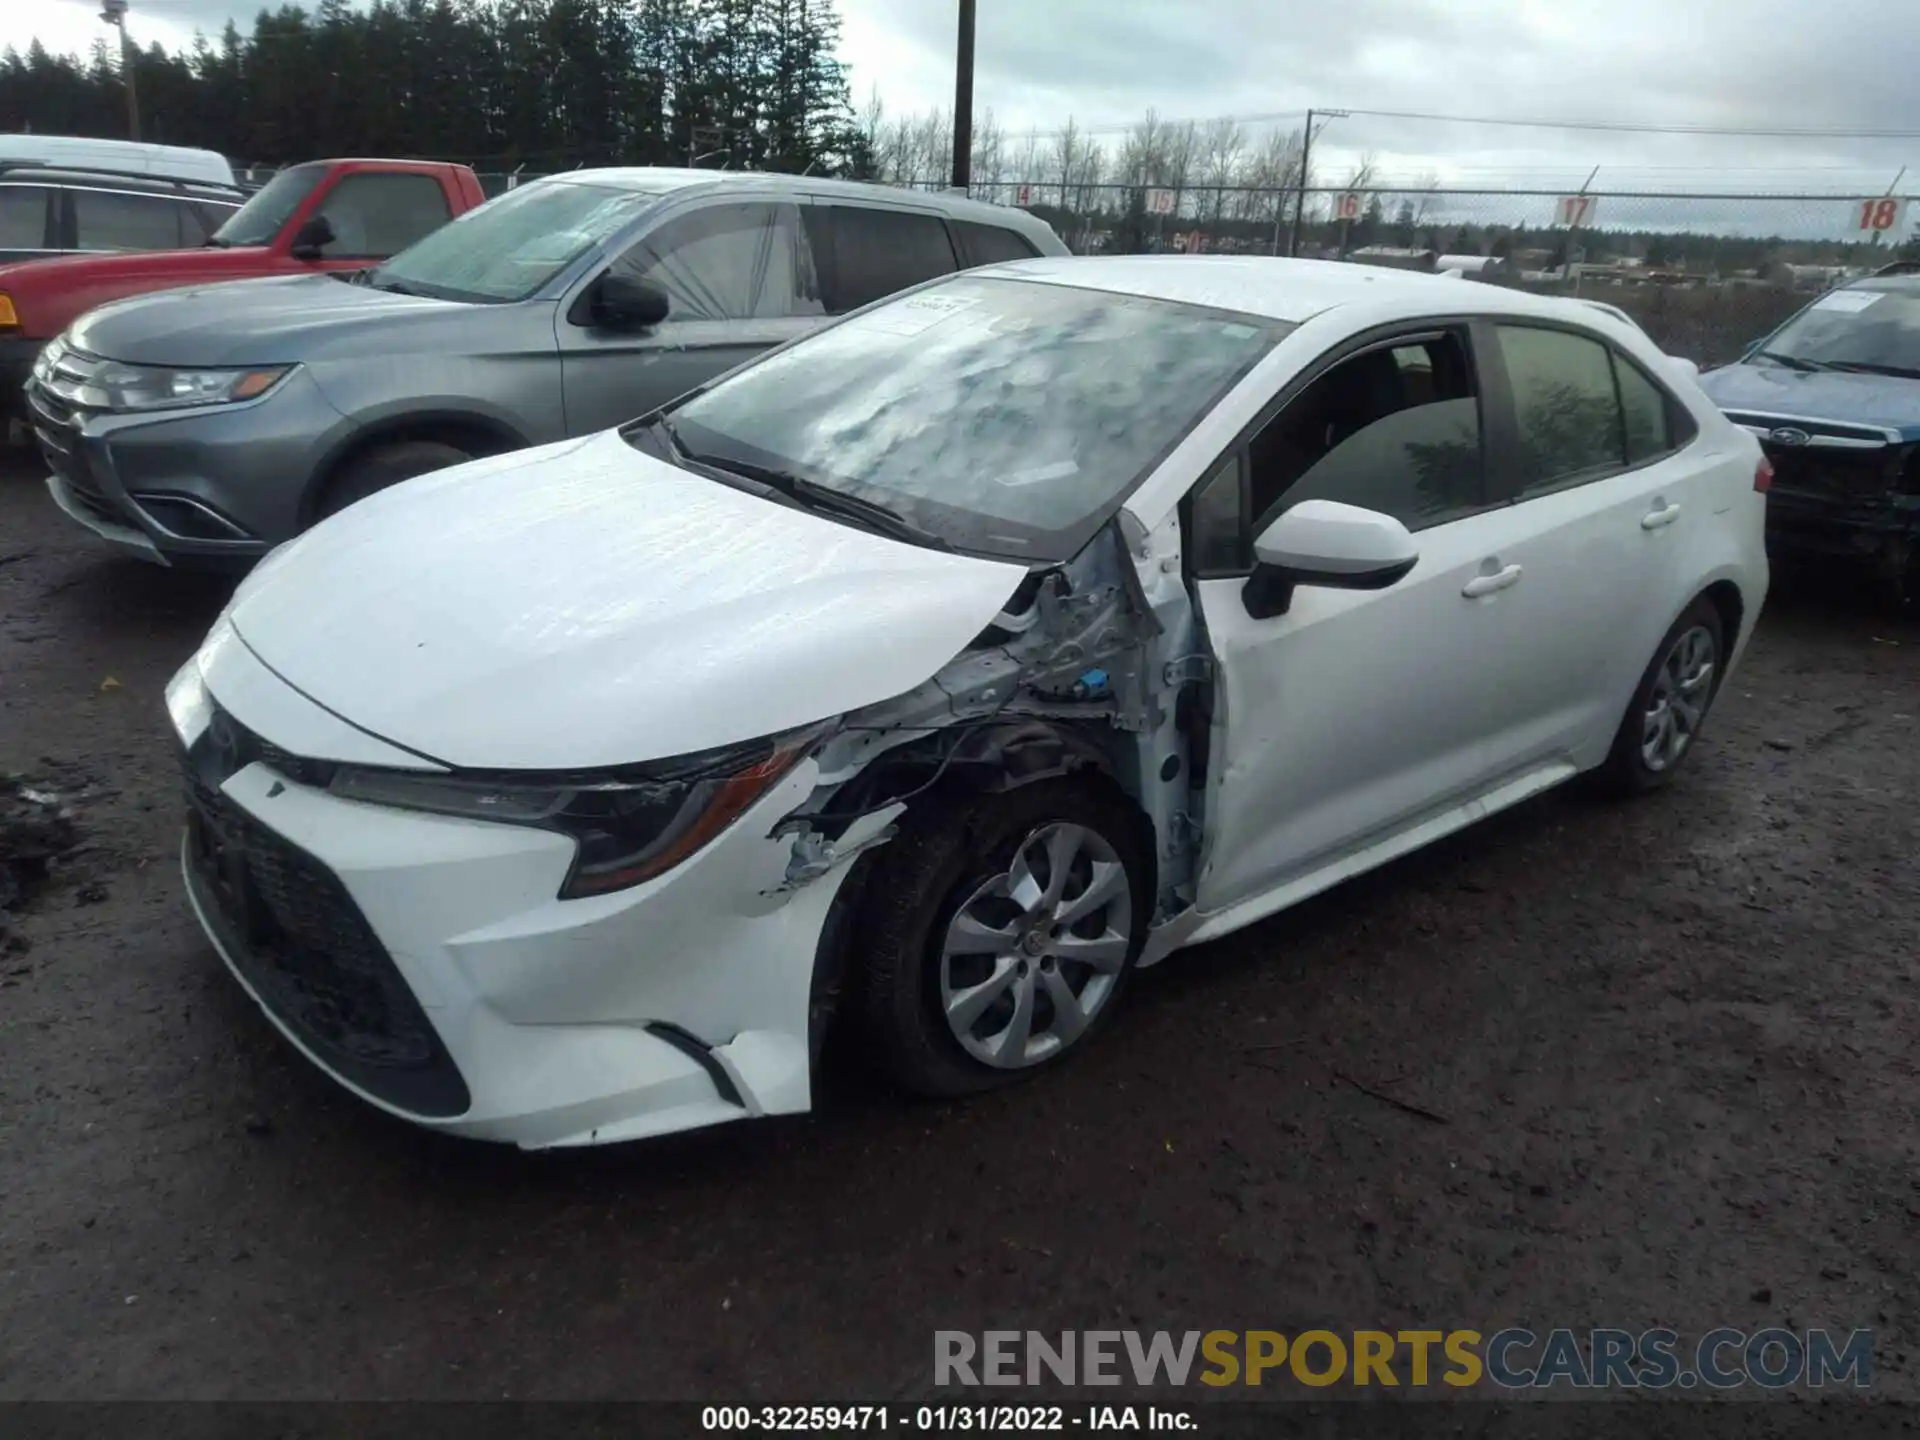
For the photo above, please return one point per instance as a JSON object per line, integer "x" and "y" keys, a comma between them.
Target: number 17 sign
{"x": 1573, "y": 211}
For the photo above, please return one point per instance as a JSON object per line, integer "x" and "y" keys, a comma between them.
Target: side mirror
{"x": 313, "y": 236}
{"x": 621, "y": 302}
{"x": 1322, "y": 542}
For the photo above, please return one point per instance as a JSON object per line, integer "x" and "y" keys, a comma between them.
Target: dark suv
{"x": 48, "y": 210}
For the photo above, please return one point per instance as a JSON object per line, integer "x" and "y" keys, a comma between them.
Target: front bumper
{"x": 1881, "y": 534}
{"x": 425, "y": 963}
{"x": 215, "y": 485}
{"x": 17, "y": 355}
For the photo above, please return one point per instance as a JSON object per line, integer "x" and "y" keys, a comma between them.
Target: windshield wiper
{"x": 1792, "y": 362}
{"x": 216, "y": 243}
{"x": 392, "y": 287}
{"x": 1867, "y": 367}
{"x": 811, "y": 495}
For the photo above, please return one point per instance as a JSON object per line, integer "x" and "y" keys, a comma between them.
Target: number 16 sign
{"x": 1573, "y": 211}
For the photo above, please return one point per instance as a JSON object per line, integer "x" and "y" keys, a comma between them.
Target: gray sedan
{"x": 208, "y": 425}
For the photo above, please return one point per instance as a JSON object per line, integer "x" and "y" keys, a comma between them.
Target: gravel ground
{"x": 1667, "y": 1047}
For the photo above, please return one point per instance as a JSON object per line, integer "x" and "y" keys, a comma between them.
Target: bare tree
{"x": 1222, "y": 150}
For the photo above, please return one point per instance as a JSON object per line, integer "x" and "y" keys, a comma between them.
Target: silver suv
{"x": 210, "y": 424}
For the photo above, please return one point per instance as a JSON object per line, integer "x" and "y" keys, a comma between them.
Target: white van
{"x": 120, "y": 157}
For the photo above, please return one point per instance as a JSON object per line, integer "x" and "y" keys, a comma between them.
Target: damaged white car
{"x": 937, "y": 671}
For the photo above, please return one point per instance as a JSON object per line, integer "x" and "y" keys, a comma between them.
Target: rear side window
{"x": 23, "y": 217}
{"x": 1569, "y": 413}
{"x": 375, "y": 216}
{"x": 992, "y": 244}
{"x": 113, "y": 220}
{"x": 730, "y": 262}
{"x": 877, "y": 252}
{"x": 1648, "y": 413}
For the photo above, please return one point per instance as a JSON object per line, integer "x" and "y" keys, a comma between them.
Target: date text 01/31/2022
{"x": 978, "y": 1419}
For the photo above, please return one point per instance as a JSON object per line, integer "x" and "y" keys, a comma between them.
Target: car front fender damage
{"x": 1096, "y": 666}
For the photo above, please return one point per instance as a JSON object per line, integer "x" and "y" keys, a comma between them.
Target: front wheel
{"x": 999, "y": 931}
{"x": 1671, "y": 703}
{"x": 379, "y": 468}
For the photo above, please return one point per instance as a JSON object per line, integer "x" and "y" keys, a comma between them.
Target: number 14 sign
{"x": 1573, "y": 211}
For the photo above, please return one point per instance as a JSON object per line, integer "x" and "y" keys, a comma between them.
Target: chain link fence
{"x": 1704, "y": 273}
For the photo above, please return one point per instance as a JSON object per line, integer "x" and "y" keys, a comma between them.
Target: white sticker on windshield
{"x": 1850, "y": 302}
{"x": 919, "y": 313}
{"x": 1040, "y": 474}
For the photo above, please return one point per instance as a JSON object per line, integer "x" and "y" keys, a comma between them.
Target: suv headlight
{"x": 123, "y": 388}
{"x": 628, "y": 826}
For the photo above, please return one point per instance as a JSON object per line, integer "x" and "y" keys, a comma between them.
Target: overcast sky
{"x": 1775, "y": 64}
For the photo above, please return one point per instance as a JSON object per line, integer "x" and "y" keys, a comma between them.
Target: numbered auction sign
{"x": 1884, "y": 215}
{"x": 1347, "y": 206}
{"x": 1573, "y": 211}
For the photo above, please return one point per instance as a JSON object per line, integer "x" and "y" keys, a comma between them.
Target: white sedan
{"x": 930, "y": 675}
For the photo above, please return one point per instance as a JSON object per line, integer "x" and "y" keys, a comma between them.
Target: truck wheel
{"x": 386, "y": 465}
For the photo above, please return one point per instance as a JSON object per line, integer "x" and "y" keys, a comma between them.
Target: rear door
{"x": 739, "y": 277}
{"x": 1605, "y": 494}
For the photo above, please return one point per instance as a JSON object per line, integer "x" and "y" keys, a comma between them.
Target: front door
{"x": 1356, "y": 713}
{"x": 739, "y": 278}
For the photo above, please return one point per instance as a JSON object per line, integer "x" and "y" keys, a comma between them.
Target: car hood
{"x": 583, "y": 605}
{"x": 280, "y": 320}
{"x": 1887, "y": 401}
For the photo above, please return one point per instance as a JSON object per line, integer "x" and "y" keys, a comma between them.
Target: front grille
{"x": 1839, "y": 474}
{"x": 60, "y": 399}
{"x": 292, "y": 929}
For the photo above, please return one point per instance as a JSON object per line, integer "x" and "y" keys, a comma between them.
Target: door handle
{"x": 1654, "y": 519}
{"x": 1487, "y": 584}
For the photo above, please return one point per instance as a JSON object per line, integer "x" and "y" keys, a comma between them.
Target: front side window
{"x": 729, "y": 262}
{"x": 374, "y": 216}
{"x": 511, "y": 246}
{"x": 270, "y": 207}
{"x": 23, "y": 217}
{"x": 881, "y": 252}
{"x": 1008, "y": 417}
{"x": 1394, "y": 429}
{"x": 112, "y": 220}
{"x": 1872, "y": 327}
{"x": 1571, "y": 428}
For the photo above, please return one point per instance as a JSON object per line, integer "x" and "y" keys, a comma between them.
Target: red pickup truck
{"x": 324, "y": 215}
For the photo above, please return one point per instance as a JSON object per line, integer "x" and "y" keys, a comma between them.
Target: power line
{"x": 1631, "y": 127}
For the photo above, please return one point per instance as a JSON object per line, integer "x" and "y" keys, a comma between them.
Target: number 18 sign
{"x": 1886, "y": 215}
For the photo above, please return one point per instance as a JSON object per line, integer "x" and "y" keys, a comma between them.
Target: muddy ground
{"x": 1669, "y": 1047}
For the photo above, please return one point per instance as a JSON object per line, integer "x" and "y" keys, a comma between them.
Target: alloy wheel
{"x": 1033, "y": 954}
{"x": 1678, "y": 701}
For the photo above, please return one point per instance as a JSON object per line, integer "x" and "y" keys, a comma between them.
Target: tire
{"x": 1640, "y": 761}
{"x": 383, "y": 466}
{"x": 952, "y": 865}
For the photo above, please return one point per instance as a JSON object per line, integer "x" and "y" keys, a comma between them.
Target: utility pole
{"x": 963, "y": 100}
{"x": 114, "y": 12}
{"x": 1300, "y": 202}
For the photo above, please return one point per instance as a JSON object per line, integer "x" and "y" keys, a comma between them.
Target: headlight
{"x": 628, "y": 827}
{"x": 120, "y": 388}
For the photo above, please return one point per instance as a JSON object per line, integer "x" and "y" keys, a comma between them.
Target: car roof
{"x": 77, "y": 178}
{"x": 666, "y": 179}
{"x": 1282, "y": 289}
{"x": 123, "y": 157}
{"x": 1899, "y": 282}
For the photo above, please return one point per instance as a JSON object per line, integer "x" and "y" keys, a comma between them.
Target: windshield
{"x": 1861, "y": 327}
{"x": 514, "y": 244}
{"x": 267, "y": 209}
{"x": 1008, "y": 417}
